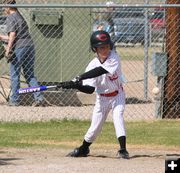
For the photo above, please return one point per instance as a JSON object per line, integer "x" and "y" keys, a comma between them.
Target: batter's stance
{"x": 103, "y": 75}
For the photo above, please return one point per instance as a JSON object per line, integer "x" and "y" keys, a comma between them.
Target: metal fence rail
{"x": 89, "y": 1}
{"x": 142, "y": 37}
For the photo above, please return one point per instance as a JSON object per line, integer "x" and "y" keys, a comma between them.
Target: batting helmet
{"x": 99, "y": 38}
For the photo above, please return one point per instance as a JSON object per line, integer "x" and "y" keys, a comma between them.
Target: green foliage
{"x": 64, "y": 133}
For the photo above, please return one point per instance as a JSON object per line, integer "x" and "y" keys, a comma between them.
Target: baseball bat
{"x": 37, "y": 89}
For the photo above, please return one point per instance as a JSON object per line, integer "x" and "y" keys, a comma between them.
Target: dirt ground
{"x": 99, "y": 161}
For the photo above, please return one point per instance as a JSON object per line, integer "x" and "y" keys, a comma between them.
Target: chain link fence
{"x": 88, "y": 2}
{"x": 145, "y": 38}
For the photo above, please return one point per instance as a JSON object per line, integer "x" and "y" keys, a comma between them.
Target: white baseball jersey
{"x": 107, "y": 83}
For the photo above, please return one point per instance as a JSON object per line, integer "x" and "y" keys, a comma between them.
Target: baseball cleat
{"x": 78, "y": 152}
{"x": 123, "y": 154}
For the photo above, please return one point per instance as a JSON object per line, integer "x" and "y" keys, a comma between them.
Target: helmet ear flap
{"x": 111, "y": 45}
{"x": 93, "y": 49}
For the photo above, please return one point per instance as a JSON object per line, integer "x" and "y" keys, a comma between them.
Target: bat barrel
{"x": 31, "y": 89}
{"x": 35, "y": 89}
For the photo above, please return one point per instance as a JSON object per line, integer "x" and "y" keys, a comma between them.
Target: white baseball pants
{"x": 102, "y": 107}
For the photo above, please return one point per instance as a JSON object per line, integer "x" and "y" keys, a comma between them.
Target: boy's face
{"x": 103, "y": 52}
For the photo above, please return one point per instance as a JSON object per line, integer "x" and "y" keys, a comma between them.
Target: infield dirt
{"x": 99, "y": 161}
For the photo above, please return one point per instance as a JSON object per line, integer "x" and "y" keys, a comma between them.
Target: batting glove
{"x": 77, "y": 79}
{"x": 69, "y": 85}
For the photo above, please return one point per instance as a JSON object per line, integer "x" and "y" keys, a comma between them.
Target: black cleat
{"x": 78, "y": 152}
{"x": 123, "y": 154}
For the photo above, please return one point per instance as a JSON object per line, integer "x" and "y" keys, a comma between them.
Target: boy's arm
{"x": 98, "y": 71}
{"x": 78, "y": 85}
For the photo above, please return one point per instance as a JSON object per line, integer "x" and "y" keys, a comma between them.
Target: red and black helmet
{"x": 99, "y": 38}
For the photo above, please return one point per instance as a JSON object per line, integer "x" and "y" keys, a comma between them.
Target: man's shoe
{"x": 123, "y": 154}
{"x": 78, "y": 152}
{"x": 13, "y": 104}
{"x": 37, "y": 103}
{"x": 42, "y": 103}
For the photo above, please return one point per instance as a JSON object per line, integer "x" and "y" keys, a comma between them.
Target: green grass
{"x": 65, "y": 133}
{"x": 136, "y": 53}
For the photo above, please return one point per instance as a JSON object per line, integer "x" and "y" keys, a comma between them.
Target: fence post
{"x": 146, "y": 45}
{"x": 171, "y": 100}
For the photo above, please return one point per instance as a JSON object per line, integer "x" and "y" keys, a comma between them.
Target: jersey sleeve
{"x": 92, "y": 81}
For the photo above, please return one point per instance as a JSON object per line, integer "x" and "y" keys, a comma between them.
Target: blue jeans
{"x": 24, "y": 58}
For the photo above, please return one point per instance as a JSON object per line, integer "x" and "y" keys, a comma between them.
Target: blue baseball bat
{"x": 36, "y": 89}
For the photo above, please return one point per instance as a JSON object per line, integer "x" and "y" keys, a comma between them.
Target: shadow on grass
{"x": 6, "y": 161}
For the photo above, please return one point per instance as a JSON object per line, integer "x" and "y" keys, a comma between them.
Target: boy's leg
{"x": 99, "y": 116}
{"x": 82, "y": 151}
{"x": 122, "y": 153}
{"x": 118, "y": 110}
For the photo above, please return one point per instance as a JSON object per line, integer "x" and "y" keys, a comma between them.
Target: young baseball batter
{"x": 103, "y": 75}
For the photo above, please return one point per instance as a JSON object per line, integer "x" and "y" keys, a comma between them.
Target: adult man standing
{"x": 20, "y": 52}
